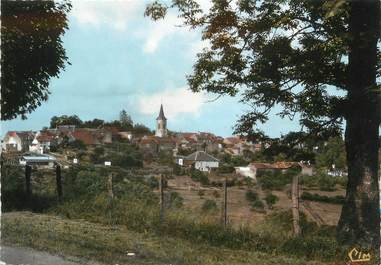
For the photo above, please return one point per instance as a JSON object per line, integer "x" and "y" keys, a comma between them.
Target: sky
{"x": 123, "y": 60}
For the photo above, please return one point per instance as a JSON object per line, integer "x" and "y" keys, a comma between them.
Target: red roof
{"x": 88, "y": 137}
{"x": 277, "y": 165}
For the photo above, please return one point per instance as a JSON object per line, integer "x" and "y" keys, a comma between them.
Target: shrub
{"x": 216, "y": 194}
{"x": 201, "y": 193}
{"x": 175, "y": 200}
{"x": 326, "y": 183}
{"x": 251, "y": 195}
{"x": 275, "y": 181}
{"x": 338, "y": 199}
{"x": 199, "y": 176}
{"x": 271, "y": 199}
{"x": 153, "y": 182}
{"x": 258, "y": 204}
{"x": 209, "y": 206}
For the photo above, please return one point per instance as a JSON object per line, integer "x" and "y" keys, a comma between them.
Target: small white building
{"x": 246, "y": 172}
{"x": 199, "y": 160}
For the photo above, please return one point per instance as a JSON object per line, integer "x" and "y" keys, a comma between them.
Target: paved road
{"x": 16, "y": 255}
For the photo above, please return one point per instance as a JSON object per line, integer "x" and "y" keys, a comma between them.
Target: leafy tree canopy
{"x": 31, "y": 53}
{"x": 290, "y": 54}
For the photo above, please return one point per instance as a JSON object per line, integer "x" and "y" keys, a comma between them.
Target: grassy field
{"x": 110, "y": 244}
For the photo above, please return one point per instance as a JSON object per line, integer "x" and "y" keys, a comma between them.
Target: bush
{"x": 153, "y": 183}
{"x": 201, "y": 193}
{"x": 326, "y": 183}
{"x": 216, "y": 194}
{"x": 275, "y": 181}
{"x": 258, "y": 204}
{"x": 199, "y": 176}
{"x": 271, "y": 199}
{"x": 178, "y": 170}
{"x": 175, "y": 200}
{"x": 209, "y": 206}
{"x": 251, "y": 195}
{"x": 338, "y": 199}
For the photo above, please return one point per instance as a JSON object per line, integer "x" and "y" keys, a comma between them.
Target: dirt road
{"x": 17, "y": 255}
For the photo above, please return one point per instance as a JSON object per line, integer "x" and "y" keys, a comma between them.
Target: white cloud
{"x": 114, "y": 14}
{"x": 175, "y": 102}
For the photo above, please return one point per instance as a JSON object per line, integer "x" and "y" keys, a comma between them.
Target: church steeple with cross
{"x": 161, "y": 124}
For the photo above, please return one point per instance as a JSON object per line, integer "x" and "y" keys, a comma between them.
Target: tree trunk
{"x": 359, "y": 220}
{"x": 295, "y": 205}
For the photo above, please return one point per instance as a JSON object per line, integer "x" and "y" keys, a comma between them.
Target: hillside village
{"x": 187, "y": 149}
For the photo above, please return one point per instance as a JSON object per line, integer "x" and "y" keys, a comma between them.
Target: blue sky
{"x": 122, "y": 60}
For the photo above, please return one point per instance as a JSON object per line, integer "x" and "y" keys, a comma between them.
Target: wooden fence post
{"x": 28, "y": 189}
{"x": 295, "y": 205}
{"x": 161, "y": 190}
{"x": 109, "y": 186}
{"x": 59, "y": 183}
{"x": 225, "y": 207}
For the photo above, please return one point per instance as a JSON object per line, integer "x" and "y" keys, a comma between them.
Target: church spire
{"x": 161, "y": 114}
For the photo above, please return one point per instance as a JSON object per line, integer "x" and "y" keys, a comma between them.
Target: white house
{"x": 199, "y": 160}
{"x": 17, "y": 141}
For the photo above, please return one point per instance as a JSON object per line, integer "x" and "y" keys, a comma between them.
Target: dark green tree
{"x": 95, "y": 123}
{"x": 125, "y": 120}
{"x": 31, "y": 53}
{"x": 65, "y": 120}
{"x": 332, "y": 153}
{"x": 316, "y": 61}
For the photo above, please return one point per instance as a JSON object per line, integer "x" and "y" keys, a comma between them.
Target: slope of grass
{"x": 110, "y": 244}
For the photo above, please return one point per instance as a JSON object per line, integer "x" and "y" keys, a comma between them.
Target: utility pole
{"x": 295, "y": 205}
{"x": 225, "y": 206}
{"x": 28, "y": 172}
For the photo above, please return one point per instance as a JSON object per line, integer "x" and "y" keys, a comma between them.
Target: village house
{"x": 237, "y": 146}
{"x": 44, "y": 140}
{"x": 17, "y": 141}
{"x": 199, "y": 160}
{"x": 92, "y": 136}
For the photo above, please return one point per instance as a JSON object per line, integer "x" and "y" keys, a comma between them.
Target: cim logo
{"x": 357, "y": 256}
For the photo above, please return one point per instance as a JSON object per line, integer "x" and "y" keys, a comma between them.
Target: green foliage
{"x": 326, "y": 183}
{"x": 153, "y": 183}
{"x": 251, "y": 195}
{"x": 258, "y": 204}
{"x": 174, "y": 200}
{"x": 275, "y": 181}
{"x": 125, "y": 160}
{"x": 209, "y": 206}
{"x": 77, "y": 144}
{"x": 140, "y": 129}
{"x": 271, "y": 199}
{"x": 65, "y": 120}
{"x": 199, "y": 176}
{"x": 95, "y": 124}
{"x": 32, "y": 53}
{"x": 125, "y": 120}
{"x": 178, "y": 170}
{"x": 338, "y": 199}
{"x": 166, "y": 158}
{"x": 332, "y": 153}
